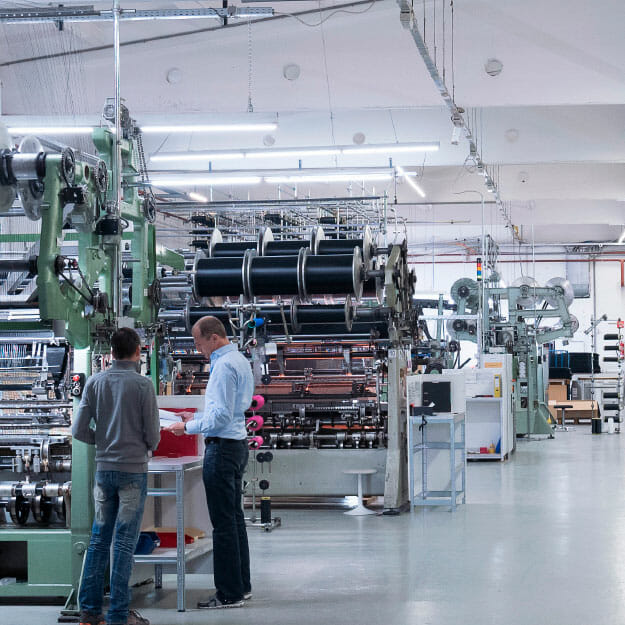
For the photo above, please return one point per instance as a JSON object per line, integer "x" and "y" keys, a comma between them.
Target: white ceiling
{"x": 561, "y": 88}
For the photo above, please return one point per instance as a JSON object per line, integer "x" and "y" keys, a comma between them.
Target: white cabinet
{"x": 489, "y": 419}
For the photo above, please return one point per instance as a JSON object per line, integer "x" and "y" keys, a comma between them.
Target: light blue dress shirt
{"x": 228, "y": 395}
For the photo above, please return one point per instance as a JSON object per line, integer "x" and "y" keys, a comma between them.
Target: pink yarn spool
{"x": 258, "y": 401}
{"x": 254, "y": 423}
{"x": 254, "y": 442}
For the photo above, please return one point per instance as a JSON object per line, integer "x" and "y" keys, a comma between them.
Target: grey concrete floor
{"x": 540, "y": 540}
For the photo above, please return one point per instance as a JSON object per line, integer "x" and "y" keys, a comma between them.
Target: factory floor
{"x": 540, "y": 540}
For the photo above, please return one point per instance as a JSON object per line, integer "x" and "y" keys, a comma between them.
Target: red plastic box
{"x": 172, "y": 446}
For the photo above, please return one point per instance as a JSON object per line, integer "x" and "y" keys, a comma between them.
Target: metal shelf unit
{"x": 181, "y": 554}
{"x": 457, "y": 459}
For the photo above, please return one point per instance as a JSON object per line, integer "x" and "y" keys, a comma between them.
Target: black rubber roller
{"x": 610, "y": 396}
{"x": 610, "y": 406}
{"x": 610, "y": 348}
{"x": 219, "y": 277}
{"x": 274, "y": 275}
{"x": 610, "y": 359}
{"x": 610, "y": 337}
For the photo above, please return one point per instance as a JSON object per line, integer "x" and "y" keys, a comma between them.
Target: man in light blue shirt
{"x": 222, "y": 423}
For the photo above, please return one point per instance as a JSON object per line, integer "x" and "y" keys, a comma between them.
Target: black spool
{"x": 377, "y": 330}
{"x": 610, "y": 359}
{"x": 610, "y": 396}
{"x": 610, "y": 406}
{"x": 273, "y": 316}
{"x": 370, "y": 315}
{"x": 219, "y": 277}
{"x": 332, "y": 313}
{"x": 610, "y": 337}
{"x": 194, "y": 313}
{"x": 333, "y": 274}
{"x": 284, "y": 248}
{"x": 327, "y": 247}
{"x": 610, "y": 348}
{"x": 274, "y": 275}
{"x": 232, "y": 250}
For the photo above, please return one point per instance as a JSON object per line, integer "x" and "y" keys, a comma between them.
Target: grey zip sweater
{"x": 122, "y": 405}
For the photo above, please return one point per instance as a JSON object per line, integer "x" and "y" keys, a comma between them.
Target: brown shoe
{"x": 134, "y": 618}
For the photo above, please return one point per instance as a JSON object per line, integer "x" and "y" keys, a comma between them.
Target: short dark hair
{"x": 124, "y": 343}
{"x": 210, "y": 325}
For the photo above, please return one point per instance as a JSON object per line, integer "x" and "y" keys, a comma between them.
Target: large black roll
{"x": 332, "y": 313}
{"x": 333, "y": 274}
{"x": 323, "y": 314}
{"x": 218, "y": 277}
{"x": 232, "y": 250}
{"x": 194, "y": 313}
{"x": 274, "y": 275}
{"x": 284, "y": 248}
{"x": 338, "y": 246}
{"x": 376, "y": 330}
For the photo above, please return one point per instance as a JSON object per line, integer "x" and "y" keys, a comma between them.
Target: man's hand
{"x": 186, "y": 416}
{"x": 176, "y": 428}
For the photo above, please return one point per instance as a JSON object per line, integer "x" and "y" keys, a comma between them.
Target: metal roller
{"x": 528, "y": 299}
{"x": 564, "y": 288}
{"x": 7, "y": 191}
{"x": 29, "y": 174}
{"x": 27, "y": 265}
{"x": 467, "y": 290}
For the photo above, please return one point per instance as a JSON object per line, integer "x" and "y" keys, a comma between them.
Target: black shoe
{"x": 215, "y": 603}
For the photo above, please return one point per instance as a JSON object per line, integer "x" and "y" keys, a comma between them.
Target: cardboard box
{"x": 558, "y": 390}
{"x": 580, "y": 410}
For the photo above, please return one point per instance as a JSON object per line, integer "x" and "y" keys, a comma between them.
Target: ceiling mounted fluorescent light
{"x": 198, "y": 197}
{"x": 264, "y": 127}
{"x": 293, "y": 152}
{"x": 622, "y": 237}
{"x": 207, "y": 181}
{"x": 387, "y": 148}
{"x": 390, "y": 148}
{"x": 327, "y": 178}
{"x": 410, "y": 181}
{"x": 50, "y": 130}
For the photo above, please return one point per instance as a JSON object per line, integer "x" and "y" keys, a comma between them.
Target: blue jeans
{"x": 119, "y": 500}
{"x": 224, "y": 463}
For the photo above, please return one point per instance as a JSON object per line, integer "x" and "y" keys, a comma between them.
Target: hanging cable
{"x": 250, "y": 106}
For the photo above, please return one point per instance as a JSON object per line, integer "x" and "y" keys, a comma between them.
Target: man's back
{"x": 123, "y": 407}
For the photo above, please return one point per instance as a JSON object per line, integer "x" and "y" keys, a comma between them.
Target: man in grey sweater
{"x": 118, "y": 414}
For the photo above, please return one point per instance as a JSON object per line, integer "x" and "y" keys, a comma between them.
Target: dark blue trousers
{"x": 224, "y": 464}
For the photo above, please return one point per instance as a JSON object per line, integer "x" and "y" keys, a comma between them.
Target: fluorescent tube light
{"x": 347, "y": 150}
{"x": 207, "y": 181}
{"x": 327, "y": 178}
{"x": 50, "y": 130}
{"x": 198, "y": 197}
{"x": 293, "y": 152}
{"x": 390, "y": 148}
{"x": 410, "y": 181}
{"x": 149, "y": 129}
{"x": 622, "y": 237}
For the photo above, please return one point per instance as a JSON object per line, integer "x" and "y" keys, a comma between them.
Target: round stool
{"x": 360, "y": 508}
{"x": 562, "y": 407}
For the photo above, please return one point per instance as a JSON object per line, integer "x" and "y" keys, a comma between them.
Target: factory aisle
{"x": 541, "y": 540}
